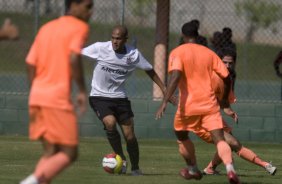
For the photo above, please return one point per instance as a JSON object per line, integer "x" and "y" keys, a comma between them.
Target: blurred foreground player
{"x": 52, "y": 63}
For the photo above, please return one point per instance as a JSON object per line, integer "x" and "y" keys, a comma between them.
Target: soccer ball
{"x": 112, "y": 163}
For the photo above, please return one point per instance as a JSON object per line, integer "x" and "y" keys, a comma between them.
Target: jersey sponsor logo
{"x": 116, "y": 71}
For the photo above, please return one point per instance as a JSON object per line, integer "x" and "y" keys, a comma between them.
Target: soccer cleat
{"x": 210, "y": 171}
{"x": 270, "y": 169}
{"x": 124, "y": 167}
{"x": 233, "y": 178}
{"x": 137, "y": 172}
{"x": 186, "y": 175}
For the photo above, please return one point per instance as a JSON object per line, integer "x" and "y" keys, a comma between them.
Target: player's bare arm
{"x": 172, "y": 85}
{"x": 30, "y": 73}
{"x": 154, "y": 76}
{"x": 224, "y": 103}
{"x": 78, "y": 77}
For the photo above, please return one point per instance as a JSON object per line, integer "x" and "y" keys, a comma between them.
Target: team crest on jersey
{"x": 129, "y": 61}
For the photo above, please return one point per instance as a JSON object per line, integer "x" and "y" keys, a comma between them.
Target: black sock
{"x": 133, "y": 152}
{"x": 115, "y": 141}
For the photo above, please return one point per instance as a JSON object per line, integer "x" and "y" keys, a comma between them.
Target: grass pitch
{"x": 159, "y": 160}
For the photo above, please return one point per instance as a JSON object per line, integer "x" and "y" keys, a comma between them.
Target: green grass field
{"x": 159, "y": 161}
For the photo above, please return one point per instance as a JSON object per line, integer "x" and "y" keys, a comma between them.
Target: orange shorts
{"x": 206, "y": 135}
{"x": 56, "y": 126}
{"x": 199, "y": 124}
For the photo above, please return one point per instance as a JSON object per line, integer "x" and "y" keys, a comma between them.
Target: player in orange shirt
{"x": 228, "y": 56}
{"x": 191, "y": 67}
{"x": 52, "y": 63}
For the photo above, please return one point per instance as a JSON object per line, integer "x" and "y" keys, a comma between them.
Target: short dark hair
{"x": 227, "y": 33}
{"x": 190, "y": 29}
{"x": 123, "y": 28}
{"x": 227, "y": 51}
{"x": 196, "y": 22}
{"x": 69, "y": 2}
{"x": 227, "y": 30}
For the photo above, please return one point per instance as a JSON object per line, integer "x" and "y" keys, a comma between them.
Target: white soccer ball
{"x": 112, "y": 163}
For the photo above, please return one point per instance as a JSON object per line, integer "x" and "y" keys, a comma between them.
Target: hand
{"x": 228, "y": 111}
{"x": 173, "y": 100}
{"x": 161, "y": 111}
{"x": 81, "y": 99}
{"x": 11, "y": 31}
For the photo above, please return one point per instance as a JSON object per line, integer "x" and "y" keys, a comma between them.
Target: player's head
{"x": 119, "y": 38}
{"x": 196, "y": 22}
{"x": 228, "y": 56}
{"x": 189, "y": 32}
{"x": 81, "y": 9}
{"x": 227, "y": 33}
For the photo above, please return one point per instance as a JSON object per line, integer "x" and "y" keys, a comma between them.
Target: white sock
{"x": 31, "y": 179}
{"x": 230, "y": 167}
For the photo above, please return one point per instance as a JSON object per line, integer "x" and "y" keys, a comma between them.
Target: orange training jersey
{"x": 50, "y": 54}
{"x": 197, "y": 63}
{"x": 218, "y": 87}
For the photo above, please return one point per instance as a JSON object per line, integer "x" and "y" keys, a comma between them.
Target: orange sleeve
{"x": 219, "y": 67}
{"x": 78, "y": 40}
{"x": 33, "y": 53}
{"x": 175, "y": 62}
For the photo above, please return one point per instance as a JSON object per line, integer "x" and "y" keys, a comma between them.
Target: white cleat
{"x": 124, "y": 167}
{"x": 270, "y": 169}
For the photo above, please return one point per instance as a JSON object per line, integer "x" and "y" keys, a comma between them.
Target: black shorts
{"x": 120, "y": 108}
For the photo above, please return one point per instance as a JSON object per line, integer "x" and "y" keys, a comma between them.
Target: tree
{"x": 259, "y": 14}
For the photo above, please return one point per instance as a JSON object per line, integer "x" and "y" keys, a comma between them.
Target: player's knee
{"x": 110, "y": 127}
{"x": 181, "y": 135}
{"x": 73, "y": 155}
{"x": 109, "y": 123}
{"x": 131, "y": 139}
{"x": 129, "y": 135}
{"x": 71, "y": 152}
{"x": 235, "y": 145}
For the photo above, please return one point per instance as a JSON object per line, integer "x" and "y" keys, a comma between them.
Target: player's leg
{"x": 54, "y": 160}
{"x": 132, "y": 146}
{"x": 210, "y": 169}
{"x": 103, "y": 109}
{"x": 187, "y": 151}
{"x": 214, "y": 124}
{"x": 125, "y": 116}
{"x": 57, "y": 158}
{"x": 57, "y": 129}
{"x": 224, "y": 152}
{"x": 113, "y": 135}
{"x": 206, "y": 136}
{"x": 248, "y": 154}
